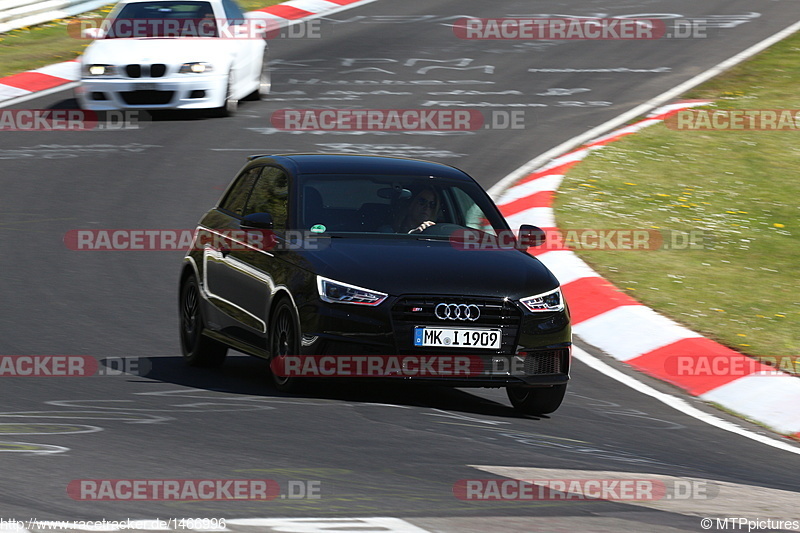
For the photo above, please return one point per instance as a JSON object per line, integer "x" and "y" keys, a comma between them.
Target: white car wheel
{"x": 230, "y": 104}
{"x": 265, "y": 80}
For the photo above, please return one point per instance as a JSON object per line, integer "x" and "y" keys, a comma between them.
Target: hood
{"x": 158, "y": 50}
{"x": 412, "y": 266}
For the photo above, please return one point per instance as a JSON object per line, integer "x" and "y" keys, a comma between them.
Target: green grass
{"x": 741, "y": 187}
{"x": 45, "y": 44}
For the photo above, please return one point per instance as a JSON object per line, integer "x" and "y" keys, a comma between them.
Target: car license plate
{"x": 457, "y": 338}
{"x": 145, "y": 86}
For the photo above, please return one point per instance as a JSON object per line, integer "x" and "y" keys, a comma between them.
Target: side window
{"x": 271, "y": 195}
{"x": 473, "y": 215}
{"x": 236, "y": 198}
{"x": 233, "y": 12}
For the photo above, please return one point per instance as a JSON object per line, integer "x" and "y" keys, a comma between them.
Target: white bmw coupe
{"x": 174, "y": 54}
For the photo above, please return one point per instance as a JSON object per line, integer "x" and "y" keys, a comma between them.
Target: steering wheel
{"x": 444, "y": 229}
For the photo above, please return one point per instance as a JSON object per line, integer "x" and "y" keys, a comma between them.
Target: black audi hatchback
{"x": 322, "y": 263}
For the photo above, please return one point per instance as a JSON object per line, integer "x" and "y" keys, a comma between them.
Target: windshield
{"x": 394, "y": 204}
{"x": 164, "y": 19}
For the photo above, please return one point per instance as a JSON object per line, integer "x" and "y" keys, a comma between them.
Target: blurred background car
{"x": 174, "y": 54}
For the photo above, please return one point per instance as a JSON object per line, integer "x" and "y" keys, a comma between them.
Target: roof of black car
{"x": 363, "y": 164}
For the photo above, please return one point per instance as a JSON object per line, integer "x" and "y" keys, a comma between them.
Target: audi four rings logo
{"x": 469, "y": 312}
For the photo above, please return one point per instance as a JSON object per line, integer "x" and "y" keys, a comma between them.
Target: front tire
{"x": 265, "y": 79}
{"x": 230, "y": 105}
{"x": 198, "y": 350}
{"x": 284, "y": 339}
{"x": 536, "y": 400}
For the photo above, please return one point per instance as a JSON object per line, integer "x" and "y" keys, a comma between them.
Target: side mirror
{"x": 257, "y": 221}
{"x": 529, "y": 236}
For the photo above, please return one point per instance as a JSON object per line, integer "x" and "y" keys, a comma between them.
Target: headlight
{"x": 198, "y": 67}
{"x": 100, "y": 70}
{"x": 545, "y": 302}
{"x": 344, "y": 293}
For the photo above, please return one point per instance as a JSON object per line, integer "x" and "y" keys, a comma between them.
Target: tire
{"x": 265, "y": 79}
{"x": 284, "y": 339}
{"x": 198, "y": 350}
{"x": 231, "y": 104}
{"x": 536, "y": 400}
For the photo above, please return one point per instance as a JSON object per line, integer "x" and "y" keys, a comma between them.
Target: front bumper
{"x": 535, "y": 350}
{"x": 179, "y": 91}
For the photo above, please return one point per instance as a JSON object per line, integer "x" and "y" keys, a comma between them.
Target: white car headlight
{"x": 337, "y": 292}
{"x": 197, "y": 67}
{"x": 100, "y": 70}
{"x": 546, "y": 302}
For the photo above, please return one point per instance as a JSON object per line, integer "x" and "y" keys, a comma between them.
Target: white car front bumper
{"x": 179, "y": 91}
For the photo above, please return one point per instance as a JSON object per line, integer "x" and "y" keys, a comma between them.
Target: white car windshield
{"x": 164, "y": 19}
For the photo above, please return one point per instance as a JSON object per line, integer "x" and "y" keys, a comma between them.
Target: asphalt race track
{"x": 372, "y": 450}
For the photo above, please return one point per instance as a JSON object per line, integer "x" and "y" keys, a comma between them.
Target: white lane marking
{"x": 313, "y": 6}
{"x": 633, "y": 128}
{"x": 207, "y": 407}
{"x": 549, "y": 182}
{"x": 68, "y": 70}
{"x": 30, "y": 447}
{"x": 566, "y": 266}
{"x": 637, "y": 111}
{"x": 458, "y": 416}
{"x": 770, "y": 399}
{"x": 544, "y": 217}
{"x": 194, "y": 393}
{"x": 38, "y": 94}
{"x": 327, "y": 12}
{"x": 7, "y": 91}
{"x": 642, "y": 329}
{"x": 685, "y": 495}
{"x": 130, "y": 418}
{"x": 676, "y": 403}
{"x": 16, "y": 428}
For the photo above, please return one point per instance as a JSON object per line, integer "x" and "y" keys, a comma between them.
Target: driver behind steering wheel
{"x": 421, "y": 212}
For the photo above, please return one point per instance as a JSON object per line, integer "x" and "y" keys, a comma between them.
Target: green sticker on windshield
{"x": 318, "y": 228}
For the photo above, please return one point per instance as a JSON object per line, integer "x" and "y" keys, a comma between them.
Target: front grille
{"x": 493, "y": 312}
{"x": 412, "y": 311}
{"x": 147, "y": 97}
{"x": 545, "y": 362}
{"x": 156, "y": 70}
